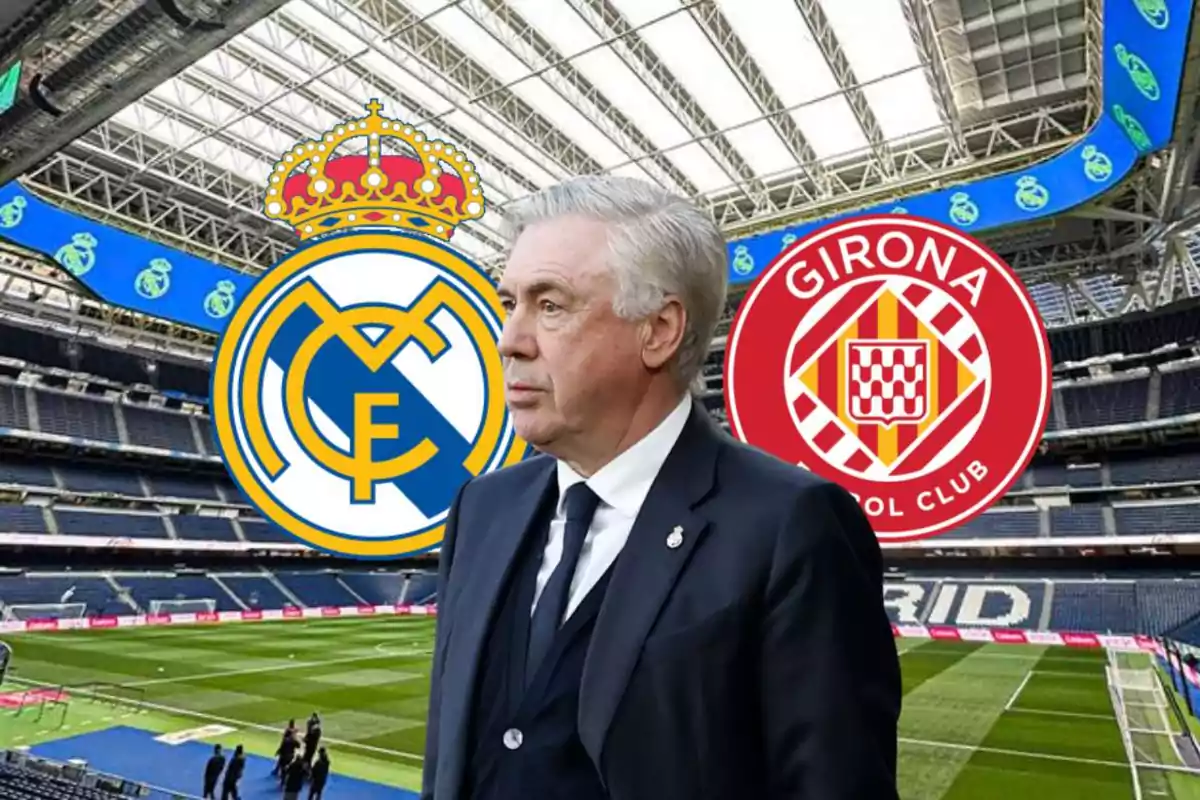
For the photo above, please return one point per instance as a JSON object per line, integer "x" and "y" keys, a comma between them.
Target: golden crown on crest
{"x": 431, "y": 188}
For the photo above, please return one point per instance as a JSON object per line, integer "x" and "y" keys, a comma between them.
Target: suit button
{"x": 513, "y": 738}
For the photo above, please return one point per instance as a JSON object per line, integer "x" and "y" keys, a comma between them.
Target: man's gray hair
{"x": 660, "y": 245}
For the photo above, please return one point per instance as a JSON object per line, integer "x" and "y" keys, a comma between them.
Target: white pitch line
{"x": 1017, "y": 693}
{"x": 1022, "y": 753}
{"x": 1055, "y": 713}
{"x": 183, "y": 712}
{"x": 258, "y": 670}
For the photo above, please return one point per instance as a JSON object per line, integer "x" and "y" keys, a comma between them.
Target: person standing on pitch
{"x": 293, "y": 778}
{"x": 312, "y": 740}
{"x": 648, "y": 610}
{"x": 320, "y": 776}
{"x": 233, "y": 774}
{"x": 287, "y": 746}
{"x": 212, "y": 773}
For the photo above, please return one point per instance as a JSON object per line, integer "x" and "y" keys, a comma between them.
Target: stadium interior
{"x": 162, "y": 118}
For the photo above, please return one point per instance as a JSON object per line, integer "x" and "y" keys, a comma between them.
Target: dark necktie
{"x": 580, "y": 503}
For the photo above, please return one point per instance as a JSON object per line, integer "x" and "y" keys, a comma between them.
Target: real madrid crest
{"x": 358, "y": 385}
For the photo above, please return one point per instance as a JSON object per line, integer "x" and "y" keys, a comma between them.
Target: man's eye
{"x": 550, "y": 306}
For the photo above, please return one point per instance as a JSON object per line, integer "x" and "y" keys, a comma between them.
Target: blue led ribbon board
{"x": 1144, "y": 47}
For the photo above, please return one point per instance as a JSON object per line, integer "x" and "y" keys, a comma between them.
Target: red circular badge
{"x": 898, "y": 358}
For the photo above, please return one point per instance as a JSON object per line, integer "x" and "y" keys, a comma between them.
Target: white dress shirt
{"x": 622, "y": 486}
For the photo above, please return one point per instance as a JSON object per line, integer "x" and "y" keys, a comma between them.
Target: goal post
{"x": 1149, "y": 728}
{"x": 190, "y": 606}
{"x": 24, "y": 612}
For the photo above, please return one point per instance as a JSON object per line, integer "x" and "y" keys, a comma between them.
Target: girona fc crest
{"x": 898, "y": 358}
{"x": 358, "y": 385}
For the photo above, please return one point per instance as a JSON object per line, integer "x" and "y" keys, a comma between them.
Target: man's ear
{"x": 663, "y": 334}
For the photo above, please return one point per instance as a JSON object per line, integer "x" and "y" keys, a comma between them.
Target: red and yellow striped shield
{"x": 849, "y": 376}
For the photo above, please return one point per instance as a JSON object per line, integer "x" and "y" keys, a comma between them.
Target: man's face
{"x": 570, "y": 363}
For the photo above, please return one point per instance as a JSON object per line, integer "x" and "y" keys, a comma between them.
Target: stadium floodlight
{"x": 24, "y": 612}
{"x": 190, "y": 606}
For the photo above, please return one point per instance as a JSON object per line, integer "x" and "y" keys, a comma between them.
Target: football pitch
{"x": 980, "y": 721}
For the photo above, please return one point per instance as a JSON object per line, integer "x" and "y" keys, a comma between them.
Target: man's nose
{"x": 516, "y": 341}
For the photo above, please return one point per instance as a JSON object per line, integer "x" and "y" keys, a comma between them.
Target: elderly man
{"x": 648, "y": 610}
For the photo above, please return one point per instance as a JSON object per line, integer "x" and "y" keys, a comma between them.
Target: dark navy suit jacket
{"x": 754, "y": 660}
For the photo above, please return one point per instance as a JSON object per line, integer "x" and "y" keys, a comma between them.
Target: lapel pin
{"x": 675, "y": 538}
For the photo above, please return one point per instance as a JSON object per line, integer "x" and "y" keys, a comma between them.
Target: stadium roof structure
{"x": 164, "y": 117}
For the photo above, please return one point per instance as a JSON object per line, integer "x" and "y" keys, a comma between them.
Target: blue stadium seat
{"x": 162, "y": 429}
{"x": 317, "y": 588}
{"x": 256, "y": 591}
{"x": 1164, "y": 604}
{"x": 1055, "y": 475}
{"x": 1180, "y": 393}
{"x": 22, "y": 519}
{"x": 70, "y": 415}
{"x": 1081, "y": 520}
{"x": 1110, "y": 403}
{"x": 145, "y": 589}
{"x": 23, "y": 474}
{"x": 95, "y": 592}
{"x": 99, "y": 479}
{"x": 77, "y": 522}
{"x": 1161, "y": 469}
{"x": 26, "y": 783}
{"x": 377, "y": 588}
{"x": 13, "y": 411}
{"x": 999, "y": 524}
{"x": 422, "y": 588}
{"x": 203, "y": 528}
{"x": 182, "y": 486}
{"x": 258, "y": 530}
{"x": 1102, "y": 607}
{"x": 1157, "y": 517}
{"x": 207, "y": 436}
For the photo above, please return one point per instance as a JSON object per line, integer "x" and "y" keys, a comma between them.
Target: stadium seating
{"x": 1162, "y": 469}
{"x": 1022, "y": 523}
{"x": 1155, "y": 517}
{"x": 380, "y": 588}
{"x": 1119, "y": 400}
{"x": 96, "y": 592}
{"x": 421, "y": 589}
{"x": 1122, "y": 606}
{"x": 1111, "y": 403}
{"x": 13, "y": 411}
{"x": 161, "y": 429}
{"x": 22, "y": 519}
{"x": 198, "y": 528}
{"x": 65, "y": 414}
{"x": 255, "y": 591}
{"x": 1083, "y": 520}
{"x": 320, "y": 589}
{"x": 145, "y": 590}
{"x": 81, "y": 522}
{"x": 1109, "y": 607}
{"x": 30, "y": 783}
{"x": 230, "y": 590}
{"x": 1180, "y": 393}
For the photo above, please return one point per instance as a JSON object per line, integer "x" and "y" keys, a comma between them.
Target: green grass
{"x": 980, "y": 721}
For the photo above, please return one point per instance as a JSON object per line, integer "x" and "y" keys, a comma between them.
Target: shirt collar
{"x": 624, "y": 482}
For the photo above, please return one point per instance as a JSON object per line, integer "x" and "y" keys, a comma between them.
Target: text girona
{"x": 901, "y": 251}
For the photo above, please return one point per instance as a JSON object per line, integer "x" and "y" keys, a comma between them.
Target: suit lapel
{"x": 644, "y": 575}
{"x": 494, "y": 558}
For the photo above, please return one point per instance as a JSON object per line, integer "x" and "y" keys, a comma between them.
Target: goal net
{"x": 29, "y": 611}
{"x": 182, "y": 606}
{"x": 1150, "y": 730}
